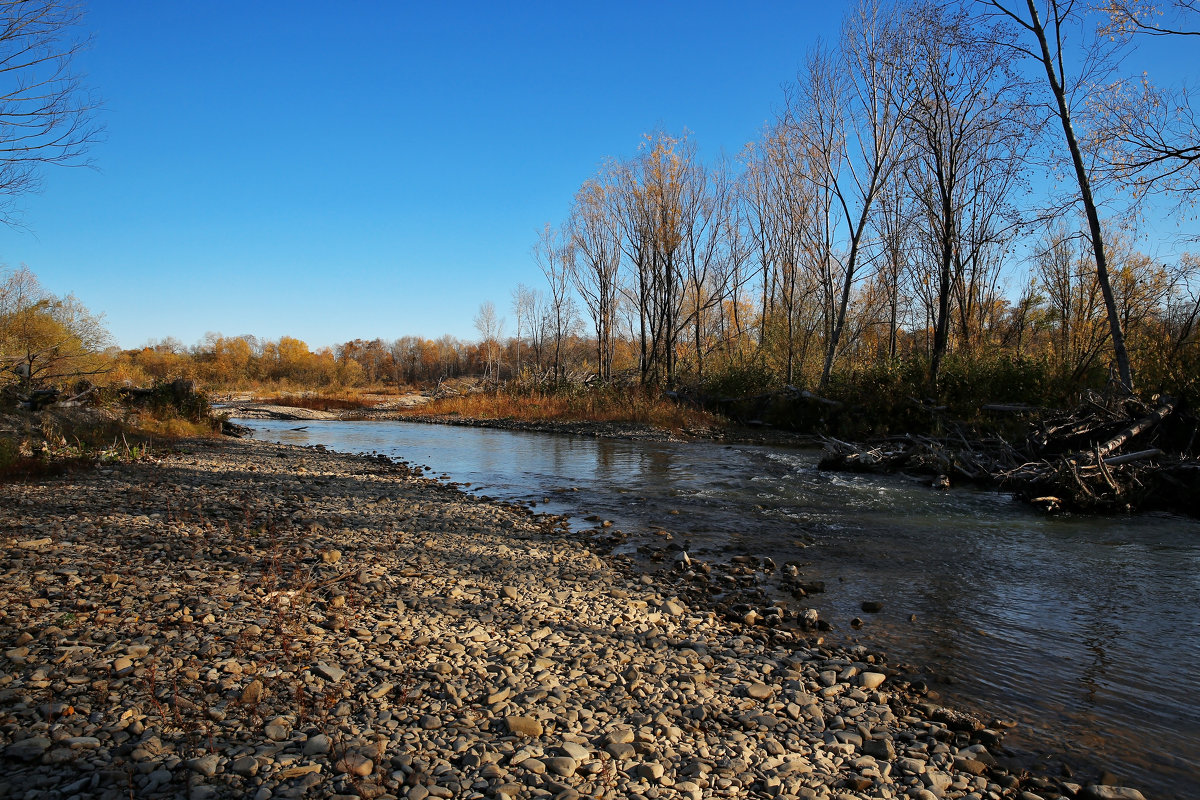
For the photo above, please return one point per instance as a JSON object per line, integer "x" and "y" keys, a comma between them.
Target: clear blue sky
{"x": 372, "y": 169}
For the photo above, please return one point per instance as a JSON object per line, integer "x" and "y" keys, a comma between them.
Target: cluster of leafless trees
{"x": 897, "y": 206}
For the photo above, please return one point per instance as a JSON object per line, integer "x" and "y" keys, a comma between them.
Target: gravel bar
{"x": 244, "y": 619}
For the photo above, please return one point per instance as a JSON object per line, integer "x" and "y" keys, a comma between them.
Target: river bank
{"x": 246, "y": 619}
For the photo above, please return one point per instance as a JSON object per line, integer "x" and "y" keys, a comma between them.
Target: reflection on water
{"x": 1086, "y": 629}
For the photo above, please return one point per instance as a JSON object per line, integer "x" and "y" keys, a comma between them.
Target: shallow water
{"x": 1085, "y": 629}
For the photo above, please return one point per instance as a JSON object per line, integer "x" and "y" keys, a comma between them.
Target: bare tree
{"x": 1043, "y": 36}
{"x": 596, "y": 236}
{"x": 524, "y": 301}
{"x": 706, "y": 211}
{"x": 553, "y": 254}
{"x": 46, "y": 114}
{"x": 964, "y": 126}
{"x": 789, "y": 213}
{"x": 649, "y": 202}
{"x": 845, "y": 109}
{"x": 491, "y": 329}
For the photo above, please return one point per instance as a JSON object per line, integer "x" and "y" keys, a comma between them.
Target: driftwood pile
{"x": 1110, "y": 454}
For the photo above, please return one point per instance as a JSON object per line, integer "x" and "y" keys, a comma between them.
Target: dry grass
{"x": 598, "y": 405}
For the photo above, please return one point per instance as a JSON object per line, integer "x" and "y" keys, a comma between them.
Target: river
{"x": 1084, "y": 629}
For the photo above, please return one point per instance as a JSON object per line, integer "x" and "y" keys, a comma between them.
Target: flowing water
{"x": 1084, "y": 629}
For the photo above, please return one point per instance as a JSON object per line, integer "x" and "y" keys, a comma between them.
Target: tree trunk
{"x": 1089, "y": 203}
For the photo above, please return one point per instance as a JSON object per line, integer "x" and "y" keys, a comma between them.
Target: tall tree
{"x": 845, "y": 109}
{"x": 963, "y": 124}
{"x": 490, "y": 328}
{"x": 1044, "y": 32}
{"x": 594, "y": 271}
{"x": 553, "y": 254}
{"x": 524, "y": 301}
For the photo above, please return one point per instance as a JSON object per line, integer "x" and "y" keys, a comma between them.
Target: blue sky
{"x": 372, "y": 169}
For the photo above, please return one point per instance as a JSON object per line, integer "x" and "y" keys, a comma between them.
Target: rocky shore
{"x": 241, "y": 619}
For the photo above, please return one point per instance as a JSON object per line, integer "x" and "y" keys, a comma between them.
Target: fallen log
{"x": 1141, "y": 426}
{"x": 1072, "y": 461}
{"x": 1129, "y": 457}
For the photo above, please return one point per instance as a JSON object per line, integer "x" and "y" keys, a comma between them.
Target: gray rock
{"x": 575, "y": 751}
{"x": 317, "y": 745}
{"x": 252, "y": 695}
{"x": 936, "y": 780}
{"x": 329, "y": 671}
{"x": 621, "y": 751}
{"x": 620, "y": 736}
{"x": 83, "y": 742}
{"x": 278, "y": 729}
{"x": 759, "y": 691}
{"x": 205, "y": 765}
{"x": 245, "y": 766}
{"x": 1110, "y": 793}
{"x": 28, "y": 749}
{"x": 871, "y": 680}
{"x": 879, "y": 748}
{"x": 564, "y": 766}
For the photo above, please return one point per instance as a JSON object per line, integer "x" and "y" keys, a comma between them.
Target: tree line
{"x": 942, "y": 182}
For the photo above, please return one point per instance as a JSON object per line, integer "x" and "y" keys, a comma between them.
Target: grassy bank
{"x": 598, "y": 405}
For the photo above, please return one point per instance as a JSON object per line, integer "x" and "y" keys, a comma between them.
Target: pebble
{"x": 252, "y": 695}
{"x": 759, "y": 691}
{"x": 871, "y": 680}
{"x": 576, "y": 751}
{"x": 205, "y": 765}
{"x": 621, "y": 751}
{"x": 1099, "y": 792}
{"x": 277, "y": 729}
{"x": 330, "y": 672}
{"x": 524, "y": 726}
{"x": 317, "y": 745}
{"x": 356, "y": 764}
{"x": 245, "y": 766}
{"x": 562, "y": 765}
